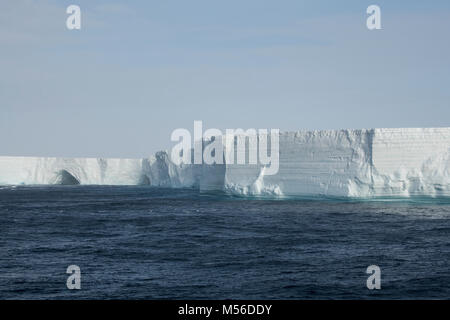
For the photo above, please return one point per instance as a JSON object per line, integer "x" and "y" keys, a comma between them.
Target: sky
{"x": 137, "y": 70}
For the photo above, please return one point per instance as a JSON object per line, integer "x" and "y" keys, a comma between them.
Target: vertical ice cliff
{"x": 352, "y": 163}
{"x": 411, "y": 161}
{"x": 310, "y": 163}
{"x": 156, "y": 171}
{"x": 342, "y": 163}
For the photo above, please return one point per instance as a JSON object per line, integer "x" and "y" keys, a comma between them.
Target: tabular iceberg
{"x": 340, "y": 163}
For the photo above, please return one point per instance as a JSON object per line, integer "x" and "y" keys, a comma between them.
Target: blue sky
{"x": 137, "y": 70}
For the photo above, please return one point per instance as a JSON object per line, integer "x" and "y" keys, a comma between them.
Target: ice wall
{"x": 310, "y": 163}
{"x": 343, "y": 163}
{"x": 352, "y": 163}
{"x": 411, "y": 161}
{"x": 157, "y": 170}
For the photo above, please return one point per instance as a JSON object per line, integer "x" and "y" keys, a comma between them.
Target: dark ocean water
{"x": 141, "y": 242}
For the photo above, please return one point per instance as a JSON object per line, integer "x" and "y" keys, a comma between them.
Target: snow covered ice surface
{"x": 336, "y": 163}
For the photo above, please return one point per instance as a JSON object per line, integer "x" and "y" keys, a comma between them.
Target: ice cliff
{"x": 157, "y": 170}
{"x": 353, "y": 163}
{"x": 342, "y": 163}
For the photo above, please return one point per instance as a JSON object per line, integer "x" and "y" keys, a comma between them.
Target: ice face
{"x": 353, "y": 163}
{"x": 156, "y": 171}
{"x": 311, "y": 163}
{"x": 411, "y": 162}
{"x": 342, "y": 163}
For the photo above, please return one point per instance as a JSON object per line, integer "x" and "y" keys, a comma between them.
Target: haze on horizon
{"x": 137, "y": 70}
